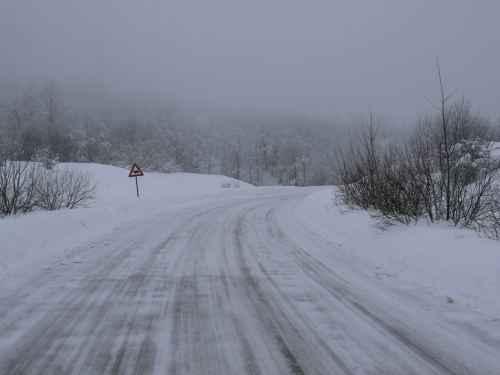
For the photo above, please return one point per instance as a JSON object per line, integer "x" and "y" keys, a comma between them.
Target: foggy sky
{"x": 306, "y": 56}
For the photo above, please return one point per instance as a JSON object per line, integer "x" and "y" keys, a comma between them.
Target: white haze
{"x": 316, "y": 57}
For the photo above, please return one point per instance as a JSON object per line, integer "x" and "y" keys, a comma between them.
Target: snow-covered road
{"x": 229, "y": 287}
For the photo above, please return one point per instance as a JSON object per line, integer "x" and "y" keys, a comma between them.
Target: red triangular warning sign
{"x": 136, "y": 171}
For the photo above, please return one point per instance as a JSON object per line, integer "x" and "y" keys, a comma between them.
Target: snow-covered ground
{"x": 29, "y": 240}
{"x": 440, "y": 259}
{"x": 195, "y": 278}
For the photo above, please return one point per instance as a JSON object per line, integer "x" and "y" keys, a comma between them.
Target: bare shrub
{"x": 67, "y": 188}
{"x": 443, "y": 171}
{"x": 359, "y": 167}
{"x": 27, "y": 186}
{"x": 18, "y": 181}
{"x": 423, "y": 177}
{"x": 50, "y": 191}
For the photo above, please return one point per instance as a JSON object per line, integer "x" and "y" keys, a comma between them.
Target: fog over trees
{"x": 262, "y": 149}
{"x": 268, "y": 92}
{"x": 38, "y": 124}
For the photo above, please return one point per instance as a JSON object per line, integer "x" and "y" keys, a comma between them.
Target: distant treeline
{"x": 36, "y": 124}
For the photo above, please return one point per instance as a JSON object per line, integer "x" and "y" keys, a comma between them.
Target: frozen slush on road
{"x": 194, "y": 278}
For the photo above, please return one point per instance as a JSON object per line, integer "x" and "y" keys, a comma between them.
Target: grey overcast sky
{"x": 316, "y": 56}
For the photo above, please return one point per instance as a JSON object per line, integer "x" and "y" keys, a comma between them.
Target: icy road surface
{"x": 232, "y": 287}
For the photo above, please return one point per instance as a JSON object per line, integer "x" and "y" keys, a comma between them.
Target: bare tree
{"x": 52, "y": 103}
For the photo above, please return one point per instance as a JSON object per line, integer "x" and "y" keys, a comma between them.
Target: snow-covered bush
{"x": 43, "y": 156}
{"x": 228, "y": 184}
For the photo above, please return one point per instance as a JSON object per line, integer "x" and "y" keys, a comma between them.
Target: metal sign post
{"x": 136, "y": 172}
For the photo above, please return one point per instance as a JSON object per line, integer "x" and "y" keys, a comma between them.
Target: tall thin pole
{"x": 137, "y": 186}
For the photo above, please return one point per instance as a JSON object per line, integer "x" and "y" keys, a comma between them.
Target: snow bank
{"x": 445, "y": 260}
{"x": 30, "y": 239}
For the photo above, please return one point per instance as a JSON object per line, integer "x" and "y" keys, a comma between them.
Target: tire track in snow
{"x": 64, "y": 322}
{"x": 328, "y": 280}
{"x": 228, "y": 288}
{"x": 439, "y": 355}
